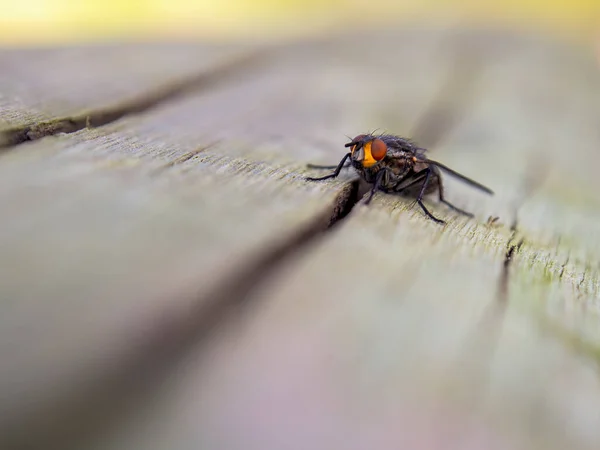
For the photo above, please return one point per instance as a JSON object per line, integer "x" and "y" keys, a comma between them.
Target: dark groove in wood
{"x": 135, "y": 380}
{"x": 12, "y": 137}
{"x": 511, "y": 248}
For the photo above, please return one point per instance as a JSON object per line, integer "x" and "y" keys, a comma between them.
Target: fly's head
{"x": 366, "y": 150}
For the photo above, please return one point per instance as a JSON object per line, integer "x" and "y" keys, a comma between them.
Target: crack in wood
{"x": 132, "y": 381}
{"x": 344, "y": 204}
{"x": 511, "y": 248}
{"x": 11, "y": 137}
{"x": 562, "y": 267}
{"x": 582, "y": 280}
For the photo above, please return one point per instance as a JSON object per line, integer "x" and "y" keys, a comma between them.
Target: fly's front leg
{"x": 320, "y": 167}
{"x": 337, "y": 171}
{"x": 376, "y": 185}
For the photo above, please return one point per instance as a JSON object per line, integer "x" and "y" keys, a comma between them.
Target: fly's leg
{"x": 417, "y": 178}
{"x": 317, "y": 166}
{"x": 337, "y": 171}
{"x": 375, "y": 186}
{"x": 420, "y": 197}
{"x": 446, "y": 202}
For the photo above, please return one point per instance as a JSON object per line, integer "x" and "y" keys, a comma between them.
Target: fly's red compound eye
{"x": 378, "y": 149}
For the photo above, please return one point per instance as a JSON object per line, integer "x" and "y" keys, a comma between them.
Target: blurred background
{"x": 36, "y": 22}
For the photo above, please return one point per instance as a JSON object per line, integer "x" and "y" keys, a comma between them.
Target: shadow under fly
{"x": 393, "y": 164}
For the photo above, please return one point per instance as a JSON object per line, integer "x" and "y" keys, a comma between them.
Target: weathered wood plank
{"x": 108, "y": 231}
{"x": 396, "y": 332}
{"x": 46, "y": 91}
{"x": 405, "y": 344}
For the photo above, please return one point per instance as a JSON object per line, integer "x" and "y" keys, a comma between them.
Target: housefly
{"x": 393, "y": 164}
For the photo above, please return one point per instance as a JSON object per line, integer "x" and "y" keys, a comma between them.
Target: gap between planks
{"x": 253, "y": 59}
{"x": 113, "y": 394}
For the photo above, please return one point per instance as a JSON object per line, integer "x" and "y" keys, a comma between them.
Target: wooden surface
{"x": 169, "y": 280}
{"x": 48, "y": 91}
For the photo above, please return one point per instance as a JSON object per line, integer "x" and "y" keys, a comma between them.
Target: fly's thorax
{"x": 398, "y": 166}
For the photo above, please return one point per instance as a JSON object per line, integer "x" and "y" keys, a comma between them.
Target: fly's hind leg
{"x": 420, "y": 197}
{"x": 446, "y": 202}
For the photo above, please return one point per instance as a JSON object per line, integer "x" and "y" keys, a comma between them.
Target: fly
{"x": 393, "y": 164}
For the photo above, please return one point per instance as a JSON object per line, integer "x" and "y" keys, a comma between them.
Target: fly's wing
{"x": 399, "y": 143}
{"x": 461, "y": 177}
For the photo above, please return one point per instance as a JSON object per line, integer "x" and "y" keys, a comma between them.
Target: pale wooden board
{"x": 108, "y": 231}
{"x": 402, "y": 346}
{"x": 395, "y": 332}
{"x": 58, "y": 88}
{"x": 533, "y": 133}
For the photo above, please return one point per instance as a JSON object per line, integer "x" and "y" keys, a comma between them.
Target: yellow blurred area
{"x": 56, "y": 21}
